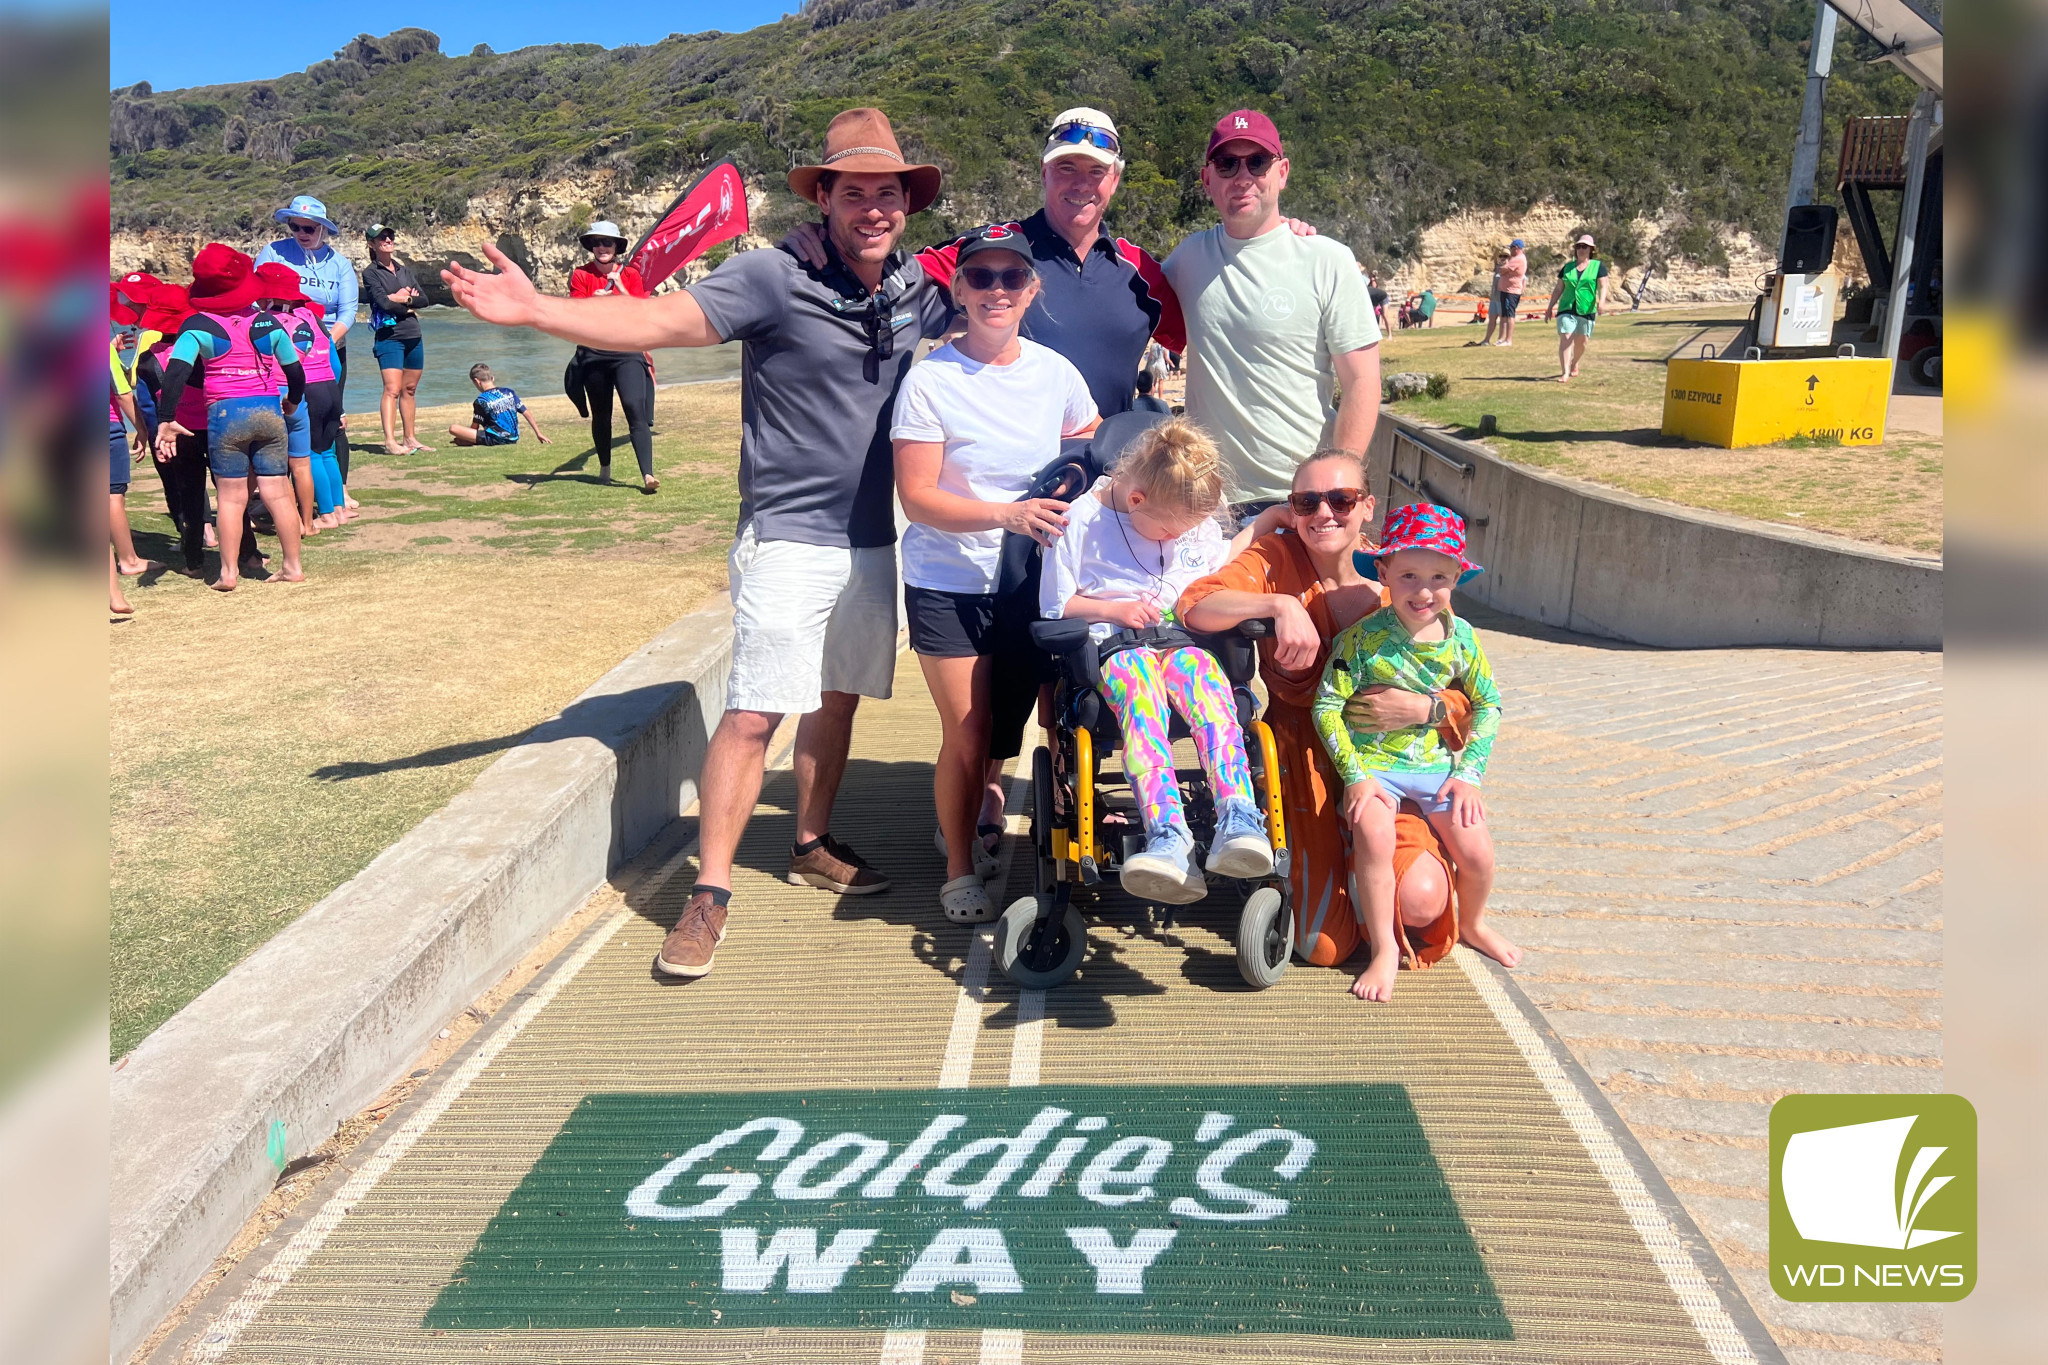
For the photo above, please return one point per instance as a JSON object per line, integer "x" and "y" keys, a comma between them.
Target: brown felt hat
{"x": 861, "y": 142}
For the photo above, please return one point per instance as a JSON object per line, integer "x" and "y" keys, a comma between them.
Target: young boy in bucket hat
{"x": 1416, "y": 643}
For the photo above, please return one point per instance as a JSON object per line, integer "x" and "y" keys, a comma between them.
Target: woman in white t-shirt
{"x": 1133, "y": 544}
{"x": 974, "y": 421}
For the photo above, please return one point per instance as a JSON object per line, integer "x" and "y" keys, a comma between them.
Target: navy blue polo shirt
{"x": 1099, "y": 311}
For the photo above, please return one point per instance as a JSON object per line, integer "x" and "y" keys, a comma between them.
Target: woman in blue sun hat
{"x": 1415, "y": 643}
{"x": 329, "y": 281}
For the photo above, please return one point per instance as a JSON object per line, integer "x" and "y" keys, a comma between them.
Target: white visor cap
{"x": 1094, "y": 118}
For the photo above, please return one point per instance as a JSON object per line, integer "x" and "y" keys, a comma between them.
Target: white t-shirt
{"x": 1000, "y": 425}
{"x": 1103, "y": 555}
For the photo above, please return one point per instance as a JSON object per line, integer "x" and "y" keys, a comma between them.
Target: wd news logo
{"x": 1873, "y": 1198}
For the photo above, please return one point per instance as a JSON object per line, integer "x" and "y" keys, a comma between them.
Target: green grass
{"x": 1606, "y": 426}
{"x": 267, "y": 744}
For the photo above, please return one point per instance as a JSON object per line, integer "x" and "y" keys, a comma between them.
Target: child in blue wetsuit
{"x": 495, "y": 414}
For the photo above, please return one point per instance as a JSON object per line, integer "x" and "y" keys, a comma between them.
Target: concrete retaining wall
{"x": 375, "y": 970}
{"x": 1612, "y": 564}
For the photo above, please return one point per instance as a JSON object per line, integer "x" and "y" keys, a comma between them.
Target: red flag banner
{"x": 709, "y": 212}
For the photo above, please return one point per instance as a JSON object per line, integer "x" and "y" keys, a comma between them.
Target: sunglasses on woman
{"x": 981, "y": 277}
{"x": 1341, "y": 500}
{"x": 1075, "y": 134}
{"x": 1257, "y": 164}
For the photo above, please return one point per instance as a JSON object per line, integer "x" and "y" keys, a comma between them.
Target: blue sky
{"x": 170, "y": 46}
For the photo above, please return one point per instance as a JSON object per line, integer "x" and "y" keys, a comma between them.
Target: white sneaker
{"x": 986, "y": 863}
{"x": 1240, "y": 848}
{"x": 1165, "y": 872}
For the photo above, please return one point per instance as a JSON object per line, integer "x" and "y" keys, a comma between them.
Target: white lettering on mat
{"x": 1121, "y": 1270}
{"x": 971, "y": 1256}
{"x": 645, "y": 1201}
{"x": 748, "y": 1269}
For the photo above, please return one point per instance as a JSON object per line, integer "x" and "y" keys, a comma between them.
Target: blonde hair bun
{"x": 1177, "y": 466}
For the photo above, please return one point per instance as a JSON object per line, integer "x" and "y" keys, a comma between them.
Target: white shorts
{"x": 809, "y": 619}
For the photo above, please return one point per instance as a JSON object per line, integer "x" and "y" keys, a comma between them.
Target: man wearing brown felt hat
{"x": 813, "y": 568}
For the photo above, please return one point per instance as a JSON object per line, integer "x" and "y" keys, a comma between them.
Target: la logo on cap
{"x": 1241, "y": 123}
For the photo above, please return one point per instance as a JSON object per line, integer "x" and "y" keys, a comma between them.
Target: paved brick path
{"x": 1727, "y": 868}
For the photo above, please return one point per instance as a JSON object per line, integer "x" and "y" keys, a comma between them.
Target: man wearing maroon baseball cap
{"x": 1275, "y": 321}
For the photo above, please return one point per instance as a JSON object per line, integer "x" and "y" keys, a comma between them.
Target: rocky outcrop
{"x": 537, "y": 227}
{"x": 1457, "y": 256}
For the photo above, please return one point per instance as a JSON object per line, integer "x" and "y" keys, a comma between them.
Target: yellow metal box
{"x": 1760, "y": 402}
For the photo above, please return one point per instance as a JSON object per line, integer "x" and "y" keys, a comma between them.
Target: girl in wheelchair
{"x": 1132, "y": 543}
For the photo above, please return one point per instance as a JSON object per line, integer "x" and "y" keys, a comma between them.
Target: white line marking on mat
{"x": 1027, "y": 1042}
{"x": 230, "y": 1325}
{"x": 903, "y": 1348}
{"x": 958, "y": 1067}
{"x": 1711, "y": 1320}
{"x": 1002, "y": 1346}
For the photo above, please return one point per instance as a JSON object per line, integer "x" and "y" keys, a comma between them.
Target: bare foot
{"x": 137, "y": 566}
{"x": 118, "y": 606}
{"x": 1376, "y": 982}
{"x": 650, "y": 484}
{"x": 225, "y": 583}
{"x": 1564, "y": 379}
{"x": 428, "y": 450}
{"x": 349, "y": 502}
{"x": 288, "y": 576}
{"x": 326, "y": 521}
{"x": 212, "y": 540}
{"x": 1492, "y": 942}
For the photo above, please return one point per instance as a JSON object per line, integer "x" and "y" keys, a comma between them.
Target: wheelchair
{"x": 1083, "y": 828}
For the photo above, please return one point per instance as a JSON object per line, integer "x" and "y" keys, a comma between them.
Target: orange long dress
{"x": 1326, "y": 927}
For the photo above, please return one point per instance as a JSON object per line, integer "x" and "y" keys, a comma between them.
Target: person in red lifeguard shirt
{"x": 629, "y": 374}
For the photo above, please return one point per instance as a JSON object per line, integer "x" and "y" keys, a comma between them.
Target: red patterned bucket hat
{"x": 1421, "y": 526}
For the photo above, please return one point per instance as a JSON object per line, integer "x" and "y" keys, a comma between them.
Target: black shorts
{"x": 964, "y": 625}
{"x": 1508, "y": 304}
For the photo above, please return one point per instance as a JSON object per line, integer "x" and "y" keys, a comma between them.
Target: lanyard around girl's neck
{"x": 1122, "y": 519}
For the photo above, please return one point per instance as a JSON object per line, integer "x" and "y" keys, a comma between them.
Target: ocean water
{"x": 528, "y": 361}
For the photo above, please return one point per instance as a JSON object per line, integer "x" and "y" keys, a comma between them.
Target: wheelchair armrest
{"x": 1257, "y": 628}
{"x": 1067, "y": 639}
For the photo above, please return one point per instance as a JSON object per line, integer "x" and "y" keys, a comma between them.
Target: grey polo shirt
{"x": 815, "y": 399}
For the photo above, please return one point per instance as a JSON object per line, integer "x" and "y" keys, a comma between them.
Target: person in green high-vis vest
{"x": 1580, "y": 294}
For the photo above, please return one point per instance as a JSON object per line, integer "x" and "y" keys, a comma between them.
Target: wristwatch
{"x": 1438, "y": 712}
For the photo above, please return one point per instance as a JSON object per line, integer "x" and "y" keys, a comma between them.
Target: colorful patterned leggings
{"x": 1139, "y": 684}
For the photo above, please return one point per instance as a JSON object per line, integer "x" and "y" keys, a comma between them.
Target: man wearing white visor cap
{"x": 1101, "y": 300}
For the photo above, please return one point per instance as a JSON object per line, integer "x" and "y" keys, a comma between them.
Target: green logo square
{"x": 1873, "y": 1198}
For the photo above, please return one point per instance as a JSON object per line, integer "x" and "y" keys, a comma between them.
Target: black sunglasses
{"x": 1258, "y": 163}
{"x": 881, "y": 337}
{"x": 1341, "y": 500}
{"x": 305, "y": 227}
{"x": 981, "y": 277}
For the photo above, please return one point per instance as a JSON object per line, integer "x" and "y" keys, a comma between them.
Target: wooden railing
{"x": 1874, "y": 152}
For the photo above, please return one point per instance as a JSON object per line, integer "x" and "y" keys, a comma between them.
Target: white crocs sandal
{"x": 986, "y": 864}
{"x": 965, "y": 901}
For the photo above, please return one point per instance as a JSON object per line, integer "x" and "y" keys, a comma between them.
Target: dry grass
{"x": 267, "y": 744}
{"x": 1606, "y": 426}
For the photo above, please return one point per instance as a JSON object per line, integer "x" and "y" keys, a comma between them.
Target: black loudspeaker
{"x": 1809, "y": 240}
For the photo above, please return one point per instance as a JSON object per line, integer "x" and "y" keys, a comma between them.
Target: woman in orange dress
{"x": 1304, "y": 579}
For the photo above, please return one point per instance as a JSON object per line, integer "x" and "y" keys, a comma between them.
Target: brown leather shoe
{"x": 693, "y": 943}
{"x": 835, "y": 867}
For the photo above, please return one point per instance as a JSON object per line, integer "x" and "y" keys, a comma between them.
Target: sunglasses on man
{"x": 982, "y": 277}
{"x": 1342, "y": 501}
{"x": 1076, "y": 134}
{"x": 1256, "y": 165}
{"x": 304, "y": 229}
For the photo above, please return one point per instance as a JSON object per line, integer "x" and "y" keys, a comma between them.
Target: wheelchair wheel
{"x": 1265, "y": 938}
{"x": 1035, "y": 954}
{"x": 1042, "y": 819}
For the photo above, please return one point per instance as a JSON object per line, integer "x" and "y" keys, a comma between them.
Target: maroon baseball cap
{"x": 1246, "y": 125}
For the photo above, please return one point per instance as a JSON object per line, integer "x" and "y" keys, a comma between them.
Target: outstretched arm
{"x": 614, "y": 323}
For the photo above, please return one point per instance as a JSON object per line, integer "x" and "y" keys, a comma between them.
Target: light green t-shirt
{"x": 1264, "y": 318}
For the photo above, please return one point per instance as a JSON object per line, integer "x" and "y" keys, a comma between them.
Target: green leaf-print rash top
{"x": 1380, "y": 650}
